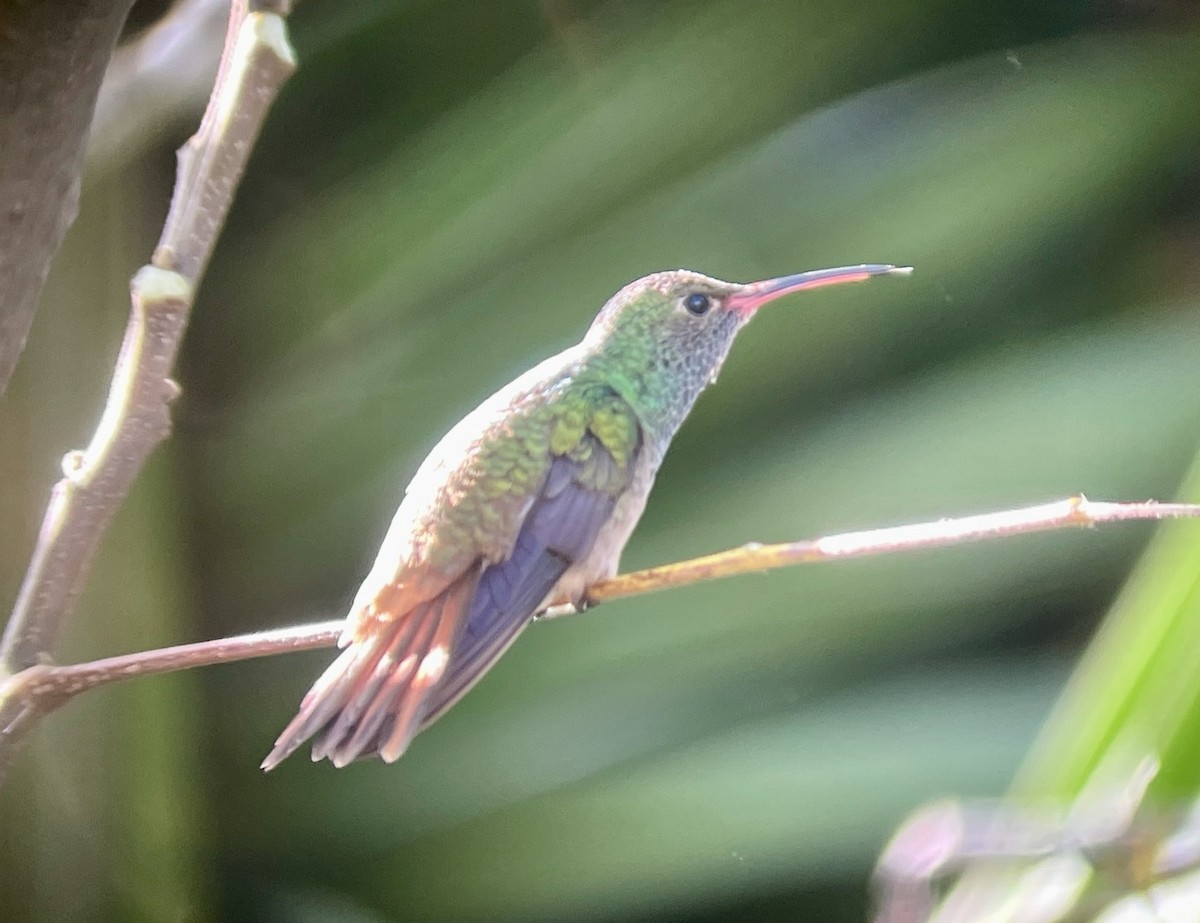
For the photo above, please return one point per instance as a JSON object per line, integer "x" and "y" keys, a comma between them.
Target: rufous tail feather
{"x": 373, "y": 697}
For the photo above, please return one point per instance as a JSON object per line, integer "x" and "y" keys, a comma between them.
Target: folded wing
{"x": 410, "y": 667}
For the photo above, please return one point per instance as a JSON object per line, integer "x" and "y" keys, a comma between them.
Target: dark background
{"x": 446, "y": 193}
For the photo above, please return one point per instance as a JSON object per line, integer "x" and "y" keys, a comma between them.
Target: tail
{"x": 373, "y": 697}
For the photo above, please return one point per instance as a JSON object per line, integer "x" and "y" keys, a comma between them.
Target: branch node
{"x": 73, "y": 465}
{"x": 164, "y": 257}
{"x": 270, "y": 32}
{"x": 154, "y": 285}
{"x": 24, "y": 688}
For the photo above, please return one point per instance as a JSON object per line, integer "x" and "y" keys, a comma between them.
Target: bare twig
{"x": 254, "y": 66}
{"x": 48, "y": 686}
{"x": 256, "y": 61}
{"x": 94, "y": 481}
{"x": 1045, "y": 517}
{"x": 45, "y": 687}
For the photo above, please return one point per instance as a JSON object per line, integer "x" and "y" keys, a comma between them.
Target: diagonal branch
{"x": 45, "y": 687}
{"x": 255, "y": 63}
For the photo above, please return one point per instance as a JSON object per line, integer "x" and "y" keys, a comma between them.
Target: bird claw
{"x": 557, "y": 609}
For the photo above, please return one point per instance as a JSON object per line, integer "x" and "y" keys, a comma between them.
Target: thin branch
{"x": 94, "y": 481}
{"x": 45, "y": 687}
{"x": 255, "y": 63}
{"x": 753, "y": 558}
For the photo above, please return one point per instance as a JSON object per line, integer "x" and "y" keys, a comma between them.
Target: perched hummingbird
{"x": 526, "y": 503}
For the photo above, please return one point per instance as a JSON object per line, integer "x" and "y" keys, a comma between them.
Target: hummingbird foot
{"x": 560, "y": 606}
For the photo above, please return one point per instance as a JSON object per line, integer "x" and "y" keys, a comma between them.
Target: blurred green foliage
{"x": 445, "y": 194}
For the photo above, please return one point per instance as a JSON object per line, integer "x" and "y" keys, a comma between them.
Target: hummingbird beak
{"x": 753, "y": 295}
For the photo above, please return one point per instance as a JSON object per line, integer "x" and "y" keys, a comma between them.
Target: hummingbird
{"x": 524, "y": 504}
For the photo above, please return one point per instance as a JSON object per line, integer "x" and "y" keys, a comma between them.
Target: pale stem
{"x": 45, "y": 687}
{"x": 256, "y": 62}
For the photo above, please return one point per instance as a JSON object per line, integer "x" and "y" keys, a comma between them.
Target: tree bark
{"x": 52, "y": 60}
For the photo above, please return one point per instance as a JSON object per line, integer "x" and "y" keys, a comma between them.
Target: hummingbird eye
{"x": 697, "y": 303}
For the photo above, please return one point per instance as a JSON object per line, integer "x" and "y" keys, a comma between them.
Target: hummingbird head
{"x": 666, "y": 335}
